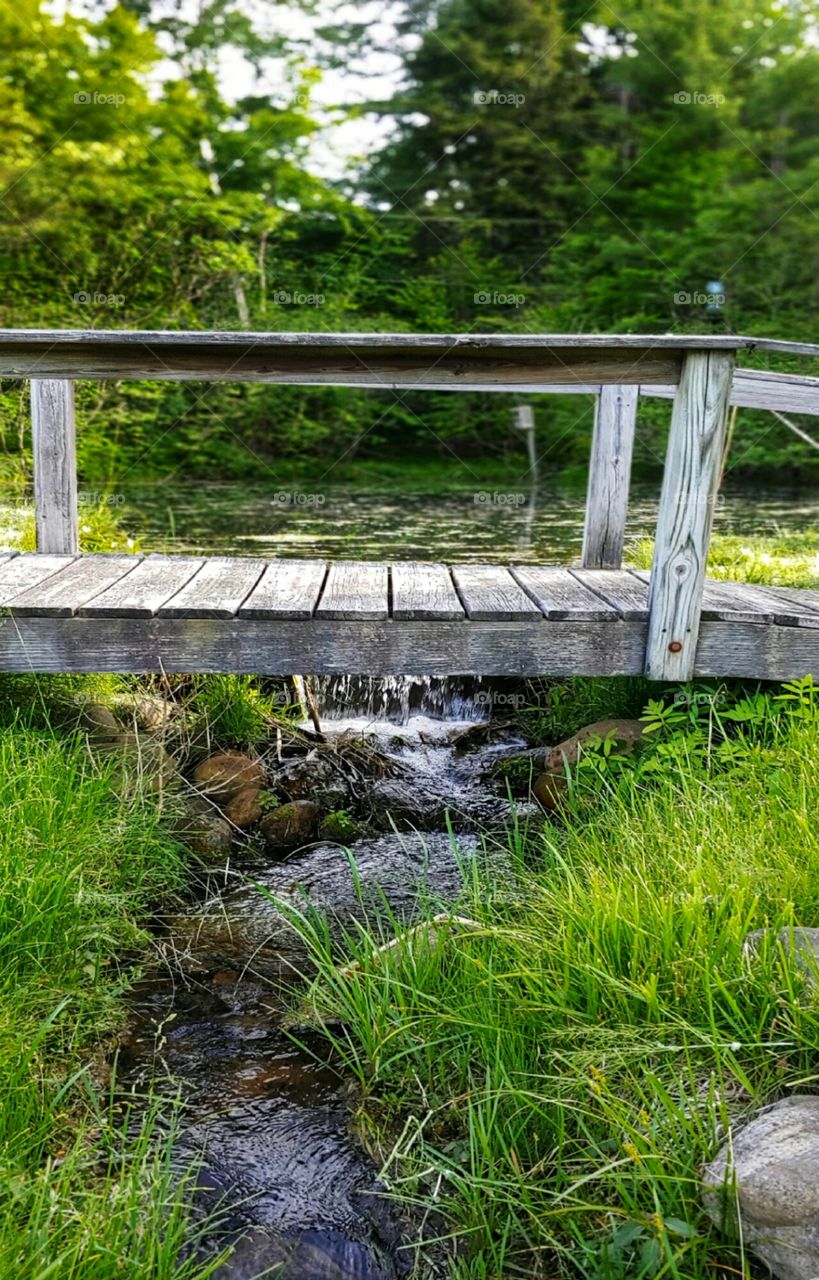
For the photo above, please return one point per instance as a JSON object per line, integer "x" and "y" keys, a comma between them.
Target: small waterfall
{"x": 399, "y": 699}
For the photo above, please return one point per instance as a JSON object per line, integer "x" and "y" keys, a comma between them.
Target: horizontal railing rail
{"x": 697, "y": 372}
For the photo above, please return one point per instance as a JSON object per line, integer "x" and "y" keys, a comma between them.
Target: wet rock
{"x": 207, "y": 834}
{"x": 395, "y": 804}
{"x": 776, "y": 1167}
{"x": 224, "y": 775}
{"x": 479, "y": 735}
{"x": 339, "y": 828}
{"x": 293, "y": 1190}
{"x": 626, "y": 733}
{"x": 290, "y": 825}
{"x": 551, "y": 790}
{"x": 314, "y": 777}
{"x": 392, "y": 872}
{"x": 245, "y": 808}
{"x": 311, "y": 1255}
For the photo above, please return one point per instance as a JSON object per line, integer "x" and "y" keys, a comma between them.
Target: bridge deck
{"x": 184, "y": 613}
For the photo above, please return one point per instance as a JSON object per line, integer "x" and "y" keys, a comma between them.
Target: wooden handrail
{"x": 697, "y": 371}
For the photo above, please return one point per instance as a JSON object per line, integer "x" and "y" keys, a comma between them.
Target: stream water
{"x": 266, "y": 1119}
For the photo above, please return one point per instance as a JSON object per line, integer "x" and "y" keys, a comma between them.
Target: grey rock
{"x": 800, "y": 942}
{"x": 207, "y": 834}
{"x": 774, "y": 1160}
{"x": 98, "y": 719}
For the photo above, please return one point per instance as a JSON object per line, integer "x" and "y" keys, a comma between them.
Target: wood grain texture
{"x": 420, "y": 360}
{"x": 692, "y": 469}
{"x": 490, "y": 593}
{"x": 622, "y": 590}
{"x": 142, "y": 592}
{"x": 757, "y": 389}
{"x": 421, "y": 590}
{"x": 286, "y": 589}
{"x": 217, "y": 590}
{"x": 22, "y": 572}
{"x": 759, "y": 653}
{"x": 54, "y": 449}
{"x": 600, "y": 647}
{"x": 361, "y": 360}
{"x": 63, "y": 593}
{"x": 736, "y": 602}
{"x": 318, "y": 646}
{"x": 604, "y": 530}
{"x": 355, "y": 589}
{"x": 792, "y": 606}
{"x": 560, "y": 595}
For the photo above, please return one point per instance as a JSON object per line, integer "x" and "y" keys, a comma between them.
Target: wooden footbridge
{"x": 62, "y": 611}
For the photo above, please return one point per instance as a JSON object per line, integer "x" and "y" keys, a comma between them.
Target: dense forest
{"x": 551, "y": 165}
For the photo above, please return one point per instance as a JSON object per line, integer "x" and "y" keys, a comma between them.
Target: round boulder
{"x": 290, "y": 825}
{"x": 245, "y": 808}
{"x": 224, "y": 775}
{"x": 774, "y": 1163}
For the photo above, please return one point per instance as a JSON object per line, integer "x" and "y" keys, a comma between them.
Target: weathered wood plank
{"x": 322, "y": 646}
{"x": 22, "y": 572}
{"x": 422, "y": 590}
{"x": 802, "y": 597}
{"x": 690, "y": 482}
{"x": 622, "y": 590}
{"x": 63, "y": 593}
{"x": 757, "y": 389}
{"x": 54, "y": 447}
{"x": 286, "y": 589}
{"x": 141, "y": 593}
{"x": 490, "y": 593}
{"x": 217, "y": 590}
{"x": 792, "y": 606}
{"x": 520, "y": 360}
{"x": 725, "y": 601}
{"x": 560, "y": 595}
{"x": 355, "y": 589}
{"x": 615, "y": 421}
{"x": 757, "y": 652}
{"x": 315, "y": 646}
{"x": 361, "y": 360}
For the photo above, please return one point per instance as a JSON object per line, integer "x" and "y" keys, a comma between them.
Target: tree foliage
{"x": 552, "y": 166}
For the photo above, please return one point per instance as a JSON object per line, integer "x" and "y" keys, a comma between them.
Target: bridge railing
{"x": 698, "y": 372}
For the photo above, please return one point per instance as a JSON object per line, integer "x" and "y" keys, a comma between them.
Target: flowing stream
{"x": 267, "y": 1120}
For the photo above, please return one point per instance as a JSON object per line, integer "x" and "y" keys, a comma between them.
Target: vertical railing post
{"x": 55, "y": 465}
{"x": 609, "y": 476}
{"x": 690, "y": 482}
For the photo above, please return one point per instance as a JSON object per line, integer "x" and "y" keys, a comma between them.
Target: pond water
{"x": 448, "y": 522}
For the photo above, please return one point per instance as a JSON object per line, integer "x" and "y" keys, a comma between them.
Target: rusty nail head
{"x": 675, "y": 646}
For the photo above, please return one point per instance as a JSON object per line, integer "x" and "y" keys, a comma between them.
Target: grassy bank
{"x": 87, "y": 1192}
{"x": 552, "y": 1081}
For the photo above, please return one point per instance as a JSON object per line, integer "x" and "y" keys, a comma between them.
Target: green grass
{"x": 784, "y": 560}
{"x": 553, "y": 1081}
{"x": 100, "y": 528}
{"x": 87, "y": 1192}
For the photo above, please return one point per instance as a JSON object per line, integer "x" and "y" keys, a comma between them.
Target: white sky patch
{"x": 342, "y": 142}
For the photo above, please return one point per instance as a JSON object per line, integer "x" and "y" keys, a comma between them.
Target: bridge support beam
{"x": 55, "y": 465}
{"x": 609, "y": 477}
{"x": 692, "y": 472}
